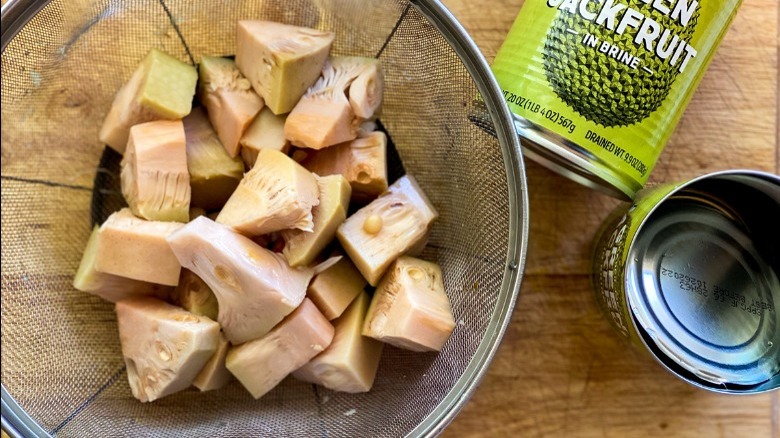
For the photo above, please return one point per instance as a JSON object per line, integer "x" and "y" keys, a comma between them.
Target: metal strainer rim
{"x": 16, "y": 13}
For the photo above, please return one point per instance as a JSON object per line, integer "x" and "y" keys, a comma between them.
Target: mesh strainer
{"x": 62, "y": 62}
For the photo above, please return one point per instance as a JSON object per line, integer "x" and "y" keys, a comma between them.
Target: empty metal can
{"x": 690, "y": 272}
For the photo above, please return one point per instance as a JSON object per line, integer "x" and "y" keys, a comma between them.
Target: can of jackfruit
{"x": 596, "y": 87}
{"x": 690, "y": 273}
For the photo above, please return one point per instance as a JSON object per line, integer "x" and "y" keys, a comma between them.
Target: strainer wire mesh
{"x": 61, "y": 360}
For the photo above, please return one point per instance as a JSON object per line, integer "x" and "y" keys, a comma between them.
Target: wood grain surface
{"x": 561, "y": 371}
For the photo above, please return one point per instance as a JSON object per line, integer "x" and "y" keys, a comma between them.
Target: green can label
{"x": 611, "y": 76}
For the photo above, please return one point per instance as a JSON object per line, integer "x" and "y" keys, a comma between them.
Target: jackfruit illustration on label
{"x": 614, "y": 62}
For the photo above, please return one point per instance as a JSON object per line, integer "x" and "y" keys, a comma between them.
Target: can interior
{"x": 703, "y": 282}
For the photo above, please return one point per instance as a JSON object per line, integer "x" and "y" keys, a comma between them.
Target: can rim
{"x": 659, "y": 356}
{"x": 573, "y": 161}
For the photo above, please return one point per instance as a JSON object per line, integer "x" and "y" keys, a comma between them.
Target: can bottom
{"x": 573, "y": 161}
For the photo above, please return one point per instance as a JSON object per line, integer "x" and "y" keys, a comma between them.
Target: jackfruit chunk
{"x": 410, "y": 308}
{"x": 164, "y": 347}
{"x": 328, "y": 114}
{"x": 301, "y": 247}
{"x": 333, "y": 289}
{"x": 349, "y": 364}
{"x": 281, "y": 61}
{"x": 261, "y": 364}
{"x": 367, "y": 90}
{"x": 388, "y": 227}
{"x": 277, "y": 194}
{"x": 135, "y": 248}
{"x": 155, "y": 179}
{"x": 194, "y": 295}
{"x": 265, "y": 132}
{"x": 214, "y": 175}
{"x": 362, "y": 161}
{"x": 161, "y": 87}
{"x": 255, "y": 288}
{"x": 110, "y": 287}
{"x": 229, "y": 99}
{"x": 214, "y": 374}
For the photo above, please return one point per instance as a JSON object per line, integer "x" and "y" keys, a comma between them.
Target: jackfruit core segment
{"x": 155, "y": 179}
{"x": 302, "y": 247}
{"x": 160, "y": 88}
{"x": 261, "y": 364}
{"x": 255, "y": 287}
{"x": 229, "y": 99}
{"x": 331, "y": 112}
{"x": 392, "y": 225}
{"x": 277, "y": 194}
{"x": 350, "y": 363}
{"x": 281, "y": 61}
{"x": 410, "y": 308}
{"x": 164, "y": 346}
{"x": 214, "y": 175}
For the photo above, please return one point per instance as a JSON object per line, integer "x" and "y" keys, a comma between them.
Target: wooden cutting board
{"x": 561, "y": 371}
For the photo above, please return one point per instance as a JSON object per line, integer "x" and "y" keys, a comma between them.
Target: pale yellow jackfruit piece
{"x": 136, "y": 248}
{"x": 349, "y": 364}
{"x": 363, "y": 162}
{"x": 277, "y": 194}
{"x": 229, "y": 99}
{"x": 410, "y": 308}
{"x": 155, "y": 179}
{"x": 390, "y": 226}
{"x": 326, "y": 115}
{"x": 111, "y": 287}
{"x": 334, "y": 289}
{"x": 214, "y": 175}
{"x": 194, "y": 295}
{"x": 255, "y": 287}
{"x": 265, "y": 132}
{"x": 164, "y": 346}
{"x": 261, "y": 364}
{"x": 214, "y": 374}
{"x": 281, "y": 61}
{"x": 161, "y": 87}
{"x": 302, "y": 247}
